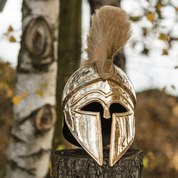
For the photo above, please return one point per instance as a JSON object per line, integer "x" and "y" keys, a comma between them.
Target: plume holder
{"x": 105, "y": 68}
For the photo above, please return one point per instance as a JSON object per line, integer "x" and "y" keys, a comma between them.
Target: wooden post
{"x": 2, "y": 4}
{"x": 76, "y": 163}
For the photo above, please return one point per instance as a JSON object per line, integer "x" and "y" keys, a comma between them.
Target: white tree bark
{"x": 34, "y": 114}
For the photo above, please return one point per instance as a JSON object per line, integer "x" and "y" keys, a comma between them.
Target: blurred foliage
{"x": 156, "y": 133}
{"x": 10, "y": 34}
{"x": 7, "y": 90}
{"x": 153, "y": 12}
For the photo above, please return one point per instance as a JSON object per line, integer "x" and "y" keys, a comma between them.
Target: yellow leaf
{"x": 150, "y": 17}
{"x": 176, "y": 8}
{"x": 12, "y": 39}
{"x": 145, "y": 162}
{"x": 164, "y": 90}
{"x": 10, "y": 29}
{"x": 25, "y": 94}
{"x": 163, "y": 37}
{"x": 165, "y": 52}
{"x": 50, "y": 168}
{"x": 60, "y": 147}
{"x": 16, "y": 99}
{"x": 39, "y": 92}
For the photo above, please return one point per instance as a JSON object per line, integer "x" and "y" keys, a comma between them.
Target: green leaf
{"x": 145, "y": 162}
{"x": 10, "y": 29}
{"x": 173, "y": 87}
{"x": 39, "y": 92}
{"x": 12, "y": 39}
{"x": 44, "y": 85}
{"x": 159, "y": 5}
{"x": 144, "y": 31}
{"x": 164, "y": 90}
{"x": 135, "y": 19}
{"x": 163, "y": 37}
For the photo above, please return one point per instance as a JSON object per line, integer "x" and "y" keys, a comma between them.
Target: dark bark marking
{"x": 50, "y": 110}
{"x": 36, "y": 154}
{"x": 14, "y": 165}
{"x": 46, "y": 118}
{"x": 2, "y": 4}
{"x": 37, "y": 42}
{"x": 38, "y": 38}
{"x": 25, "y": 9}
{"x": 16, "y": 138}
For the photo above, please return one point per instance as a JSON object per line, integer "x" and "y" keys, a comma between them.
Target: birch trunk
{"x": 34, "y": 114}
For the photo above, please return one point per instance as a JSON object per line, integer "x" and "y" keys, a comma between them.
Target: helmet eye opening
{"x": 117, "y": 108}
{"x": 93, "y": 107}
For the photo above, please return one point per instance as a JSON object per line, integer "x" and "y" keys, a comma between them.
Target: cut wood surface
{"x": 76, "y": 163}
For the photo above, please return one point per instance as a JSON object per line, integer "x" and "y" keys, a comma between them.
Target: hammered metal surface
{"x": 87, "y": 75}
{"x": 86, "y": 86}
{"x": 122, "y": 136}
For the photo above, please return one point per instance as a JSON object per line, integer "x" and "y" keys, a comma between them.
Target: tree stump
{"x": 76, "y": 163}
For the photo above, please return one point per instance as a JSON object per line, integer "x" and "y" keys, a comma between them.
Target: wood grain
{"x": 77, "y": 163}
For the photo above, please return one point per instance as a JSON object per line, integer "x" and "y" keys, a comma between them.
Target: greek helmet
{"x": 98, "y": 100}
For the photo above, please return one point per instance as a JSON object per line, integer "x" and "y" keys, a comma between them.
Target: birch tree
{"x": 34, "y": 114}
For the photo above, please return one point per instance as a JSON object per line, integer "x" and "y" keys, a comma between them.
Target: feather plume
{"x": 109, "y": 32}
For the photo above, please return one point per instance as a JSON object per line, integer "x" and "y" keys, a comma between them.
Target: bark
{"x": 2, "y": 4}
{"x": 34, "y": 114}
{"x": 69, "y": 53}
{"x": 77, "y": 163}
{"x": 96, "y": 4}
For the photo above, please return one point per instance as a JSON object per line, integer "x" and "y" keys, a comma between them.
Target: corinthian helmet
{"x": 98, "y": 100}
